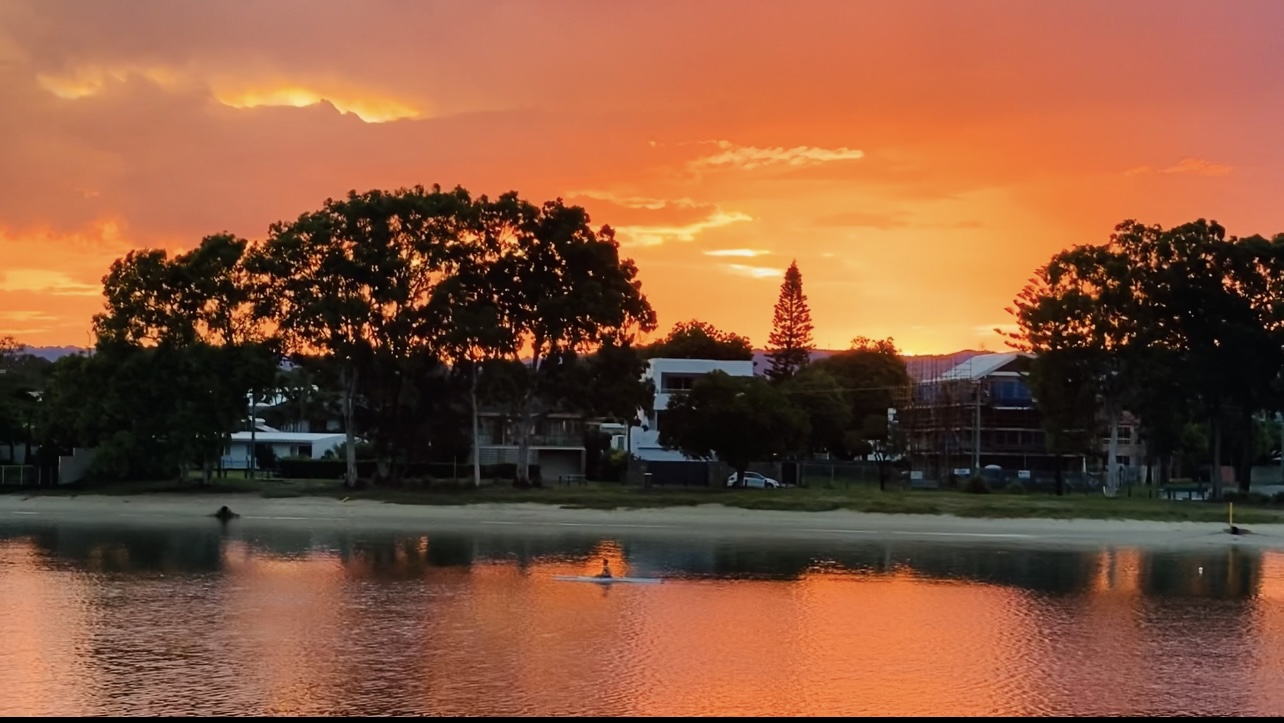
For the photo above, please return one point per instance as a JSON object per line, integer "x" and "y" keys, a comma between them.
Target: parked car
{"x": 753, "y": 479}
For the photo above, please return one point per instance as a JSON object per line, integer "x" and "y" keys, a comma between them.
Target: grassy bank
{"x": 614, "y": 496}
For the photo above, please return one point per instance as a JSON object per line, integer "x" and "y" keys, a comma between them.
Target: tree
{"x": 23, "y": 379}
{"x": 356, "y": 281}
{"x": 195, "y": 312}
{"x": 733, "y": 419}
{"x": 566, "y": 290}
{"x": 820, "y": 395}
{"x": 873, "y": 378}
{"x": 1065, "y": 388}
{"x": 790, "y": 344}
{"x": 476, "y": 334}
{"x": 700, "y": 340}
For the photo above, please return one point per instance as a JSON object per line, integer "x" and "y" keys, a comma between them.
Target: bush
{"x": 976, "y": 486}
{"x": 1015, "y": 488}
{"x": 1247, "y": 498}
{"x": 297, "y": 468}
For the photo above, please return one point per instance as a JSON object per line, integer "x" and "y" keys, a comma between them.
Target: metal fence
{"x": 13, "y": 475}
{"x": 854, "y": 475}
{"x": 841, "y": 475}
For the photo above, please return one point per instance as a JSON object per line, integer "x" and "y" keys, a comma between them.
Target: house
{"x": 313, "y": 445}
{"x": 979, "y": 413}
{"x": 556, "y": 446}
{"x": 670, "y": 376}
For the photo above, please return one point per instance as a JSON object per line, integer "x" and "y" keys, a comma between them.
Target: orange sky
{"x": 919, "y": 159}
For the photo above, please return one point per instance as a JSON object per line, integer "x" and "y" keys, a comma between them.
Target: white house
{"x": 669, "y": 376}
{"x": 283, "y": 444}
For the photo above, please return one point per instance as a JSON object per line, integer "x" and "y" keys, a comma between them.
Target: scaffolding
{"x": 963, "y": 416}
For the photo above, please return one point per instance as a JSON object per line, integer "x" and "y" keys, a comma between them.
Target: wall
{"x": 644, "y": 441}
{"x": 72, "y": 468}
{"x": 556, "y": 463}
{"x": 237, "y": 451}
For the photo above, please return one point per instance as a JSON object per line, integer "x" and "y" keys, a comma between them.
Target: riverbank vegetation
{"x": 612, "y": 496}
{"x": 395, "y": 317}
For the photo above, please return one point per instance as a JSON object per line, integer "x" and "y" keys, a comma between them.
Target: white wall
{"x": 236, "y": 456}
{"x": 645, "y": 440}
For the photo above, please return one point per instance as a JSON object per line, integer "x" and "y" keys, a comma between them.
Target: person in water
{"x": 606, "y": 569}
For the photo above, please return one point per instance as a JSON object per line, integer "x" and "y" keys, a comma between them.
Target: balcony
{"x": 537, "y": 440}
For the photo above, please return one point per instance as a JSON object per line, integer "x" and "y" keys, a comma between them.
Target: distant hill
{"x": 52, "y": 353}
{"x": 920, "y": 367}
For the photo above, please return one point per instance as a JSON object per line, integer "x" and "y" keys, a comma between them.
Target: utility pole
{"x": 976, "y": 433}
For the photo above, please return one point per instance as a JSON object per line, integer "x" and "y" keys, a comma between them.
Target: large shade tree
{"x": 356, "y": 281}
{"x": 564, "y": 290}
{"x": 1172, "y": 324}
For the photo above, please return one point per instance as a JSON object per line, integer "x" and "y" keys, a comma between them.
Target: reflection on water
{"x": 111, "y": 621}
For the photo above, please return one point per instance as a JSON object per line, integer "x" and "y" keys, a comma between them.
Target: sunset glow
{"x": 918, "y": 159}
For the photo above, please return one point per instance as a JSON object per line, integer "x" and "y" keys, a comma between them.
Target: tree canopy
{"x": 700, "y": 340}
{"x": 737, "y": 420}
{"x": 1172, "y": 324}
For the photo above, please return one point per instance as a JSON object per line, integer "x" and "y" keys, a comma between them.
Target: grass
{"x": 606, "y": 496}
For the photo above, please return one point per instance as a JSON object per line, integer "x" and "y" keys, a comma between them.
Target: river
{"x": 230, "y": 620}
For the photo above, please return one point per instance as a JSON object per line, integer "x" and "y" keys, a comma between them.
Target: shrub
{"x": 335, "y": 468}
{"x": 1247, "y": 498}
{"x": 976, "y": 486}
{"x": 1015, "y": 488}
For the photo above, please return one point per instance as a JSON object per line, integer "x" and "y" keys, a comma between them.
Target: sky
{"x": 918, "y": 159}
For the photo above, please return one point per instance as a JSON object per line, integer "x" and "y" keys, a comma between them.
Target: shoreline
{"x": 193, "y": 510}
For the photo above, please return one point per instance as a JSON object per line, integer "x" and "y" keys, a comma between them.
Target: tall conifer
{"x": 790, "y": 344}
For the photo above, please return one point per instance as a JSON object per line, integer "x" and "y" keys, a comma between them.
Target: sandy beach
{"x": 704, "y": 520}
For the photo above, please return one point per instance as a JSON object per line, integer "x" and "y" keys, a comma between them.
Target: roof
{"x": 286, "y": 437}
{"x": 981, "y": 366}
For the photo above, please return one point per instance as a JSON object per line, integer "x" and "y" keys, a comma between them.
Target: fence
{"x": 20, "y": 476}
{"x": 841, "y": 475}
{"x": 859, "y": 474}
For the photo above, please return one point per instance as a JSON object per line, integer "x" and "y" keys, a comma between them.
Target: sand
{"x": 703, "y": 521}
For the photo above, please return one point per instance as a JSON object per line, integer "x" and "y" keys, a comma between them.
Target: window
{"x": 670, "y": 383}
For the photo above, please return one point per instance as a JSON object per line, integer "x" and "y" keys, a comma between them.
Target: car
{"x": 755, "y": 480}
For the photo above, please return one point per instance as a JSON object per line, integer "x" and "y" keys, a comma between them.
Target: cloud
{"x": 371, "y": 109}
{"x": 656, "y": 235}
{"x": 25, "y": 316}
{"x": 864, "y": 219}
{"x": 44, "y": 281}
{"x": 749, "y": 157}
{"x": 886, "y": 220}
{"x": 1195, "y": 166}
{"x": 1004, "y": 328}
{"x": 636, "y": 202}
{"x": 87, "y": 81}
{"x": 754, "y": 272}
{"x": 738, "y": 253}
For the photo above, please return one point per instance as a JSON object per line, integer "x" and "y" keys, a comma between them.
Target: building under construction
{"x": 964, "y": 417}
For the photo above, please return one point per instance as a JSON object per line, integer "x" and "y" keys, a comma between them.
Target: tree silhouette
{"x": 790, "y": 344}
{"x": 700, "y": 340}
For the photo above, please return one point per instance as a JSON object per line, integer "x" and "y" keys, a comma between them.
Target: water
{"x": 98, "y": 620}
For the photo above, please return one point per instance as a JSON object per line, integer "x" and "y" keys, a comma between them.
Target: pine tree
{"x": 790, "y": 344}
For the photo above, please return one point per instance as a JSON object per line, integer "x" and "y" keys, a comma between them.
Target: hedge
{"x": 336, "y": 468}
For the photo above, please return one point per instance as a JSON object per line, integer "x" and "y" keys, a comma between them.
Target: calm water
{"x": 117, "y": 621}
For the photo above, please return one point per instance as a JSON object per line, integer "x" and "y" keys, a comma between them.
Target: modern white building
{"x": 284, "y": 444}
{"x": 670, "y": 376}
